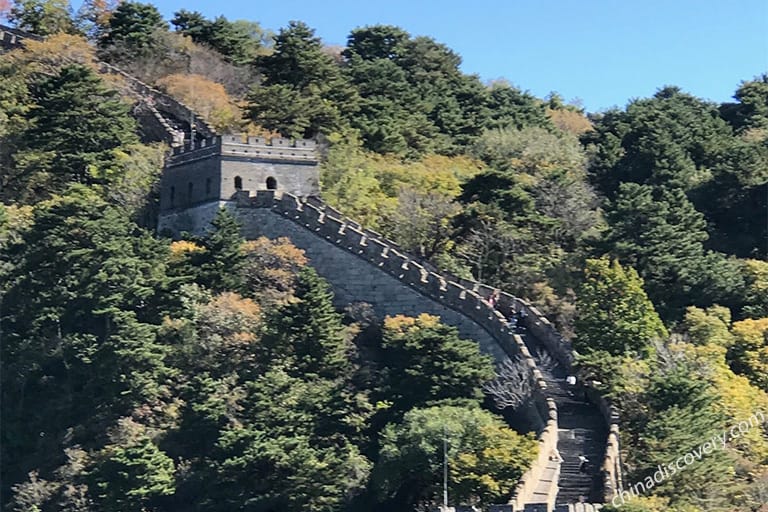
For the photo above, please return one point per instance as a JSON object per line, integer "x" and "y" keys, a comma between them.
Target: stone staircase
{"x": 581, "y": 431}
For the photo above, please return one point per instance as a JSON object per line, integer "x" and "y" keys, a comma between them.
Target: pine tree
{"x": 309, "y": 330}
{"x": 424, "y": 361}
{"x": 613, "y": 312}
{"x": 77, "y": 346}
{"x": 679, "y": 416}
{"x": 300, "y": 71}
{"x": 130, "y": 474}
{"x": 133, "y": 26}
{"x": 222, "y": 261}
{"x": 76, "y": 124}
{"x": 660, "y": 233}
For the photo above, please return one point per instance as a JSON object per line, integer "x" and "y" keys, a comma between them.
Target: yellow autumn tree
{"x": 50, "y": 55}
{"x": 736, "y": 398}
{"x": 220, "y": 332}
{"x": 750, "y": 350}
{"x": 207, "y": 98}
{"x": 181, "y": 249}
{"x": 569, "y": 120}
{"x": 271, "y": 268}
{"x": 366, "y": 186}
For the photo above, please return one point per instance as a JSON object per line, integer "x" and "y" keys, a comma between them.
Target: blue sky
{"x": 602, "y": 52}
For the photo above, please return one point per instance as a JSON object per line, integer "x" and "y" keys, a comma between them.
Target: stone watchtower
{"x": 200, "y": 179}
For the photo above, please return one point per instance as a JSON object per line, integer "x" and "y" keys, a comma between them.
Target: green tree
{"x": 424, "y": 361}
{"x": 133, "y": 28}
{"x": 662, "y": 236}
{"x": 670, "y": 140}
{"x": 677, "y": 141}
{"x": 285, "y": 458}
{"x": 298, "y": 59}
{"x": 486, "y": 458}
{"x": 414, "y": 97}
{"x": 376, "y": 42}
{"x": 239, "y": 41}
{"x": 511, "y": 108}
{"x": 78, "y": 346}
{"x": 682, "y": 414}
{"x": 282, "y": 108}
{"x": 300, "y": 71}
{"x": 751, "y": 110}
{"x": 391, "y": 118}
{"x": 42, "y": 17}
{"x": 614, "y": 314}
{"x": 76, "y": 124}
{"x": 308, "y": 331}
{"x": 221, "y": 262}
{"x": 756, "y": 293}
{"x": 131, "y": 473}
{"x": 735, "y": 199}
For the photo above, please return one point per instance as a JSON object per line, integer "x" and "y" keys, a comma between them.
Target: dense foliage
{"x": 215, "y": 373}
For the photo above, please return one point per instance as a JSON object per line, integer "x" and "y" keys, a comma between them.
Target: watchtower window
{"x": 238, "y": 183}
{"x": 189, "y": 192}
{"x": 173, "y": 196}
{"x": 207, "y": 187}
{"x": 271, "y": 183}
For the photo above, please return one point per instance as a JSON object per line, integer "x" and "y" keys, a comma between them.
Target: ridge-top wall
{"x": 363, "y": 267}
{"x": 351, "y": 278}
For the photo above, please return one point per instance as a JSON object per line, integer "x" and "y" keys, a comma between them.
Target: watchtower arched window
{"x": 190, "y": 188}
{"x": 173, "y": 196}
{"x": 271, "y": 183}
{"x": 238, "y": 183}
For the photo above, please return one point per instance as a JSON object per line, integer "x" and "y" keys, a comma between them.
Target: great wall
{"x": 362, "y": 266}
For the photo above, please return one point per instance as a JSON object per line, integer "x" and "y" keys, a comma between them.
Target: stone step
{"x": 582, "y": 431}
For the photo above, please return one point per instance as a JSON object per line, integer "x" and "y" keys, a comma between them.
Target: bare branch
{"x": 512, "y": 385}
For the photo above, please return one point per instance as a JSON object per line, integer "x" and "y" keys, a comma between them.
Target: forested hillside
{"x": 214, "y": 374}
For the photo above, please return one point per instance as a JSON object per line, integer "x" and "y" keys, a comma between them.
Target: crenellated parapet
{"x": 468, "y": 298}
{"x": 12, "y": 38}
{"x": 248, "y": 147}
{"x": 562, "y": 350}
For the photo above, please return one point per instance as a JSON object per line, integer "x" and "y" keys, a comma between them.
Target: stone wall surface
{"x": 352, "y": 278}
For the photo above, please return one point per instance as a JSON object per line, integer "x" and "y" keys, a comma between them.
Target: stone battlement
{"x": 246, "y": 147}
{"x": 11, "y": 38}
